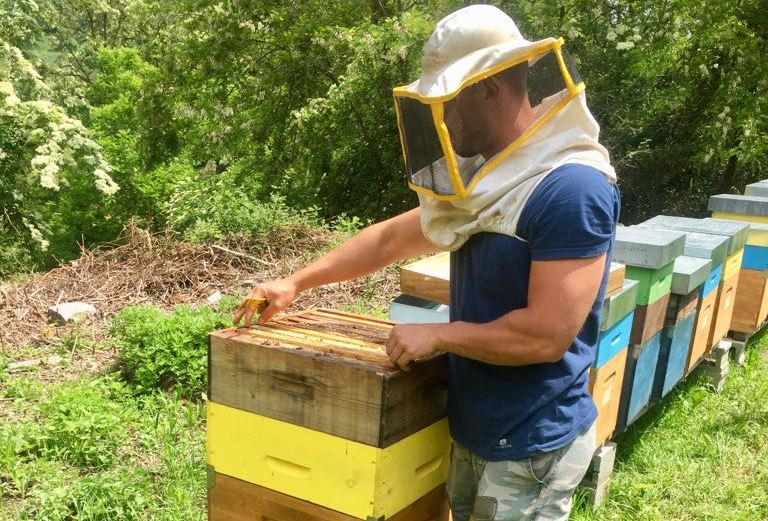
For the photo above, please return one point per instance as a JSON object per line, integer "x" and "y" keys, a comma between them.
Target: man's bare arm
{"x": 560, "y": 295}
{"x": 372, "y": 249}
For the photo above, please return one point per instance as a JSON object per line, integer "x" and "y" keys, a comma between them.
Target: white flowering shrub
{"x": 54, "y": 179}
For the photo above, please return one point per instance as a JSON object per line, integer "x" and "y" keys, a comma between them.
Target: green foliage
{"x": 159, "y": 474}
{"x": 103, "y": 497}
{"x": 675, "y": 90}
{"x": 160, "y": 350}
{"x": 54, "y": 179}
{"x": 83, "y": 424}
{"x": 207, "y": 111}
{"x": 204, "y": 208}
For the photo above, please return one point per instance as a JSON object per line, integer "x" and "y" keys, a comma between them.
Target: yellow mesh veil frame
{"x": 433, "y": 166}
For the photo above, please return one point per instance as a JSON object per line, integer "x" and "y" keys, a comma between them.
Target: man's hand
{"x": 409, "y": 342}
{"x": 279, "y": 295}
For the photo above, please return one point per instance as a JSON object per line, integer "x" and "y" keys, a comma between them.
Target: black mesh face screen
{"x": 544, "y": 79}
{"x": 571, "y": 66}
{"x": 454, "y": 122}
{"x": 420, "y": 141}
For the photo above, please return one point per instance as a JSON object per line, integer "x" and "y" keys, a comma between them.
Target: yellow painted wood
{"x": 755, "y": 237}
{"x": 732, "y": 265}
{"x": 350, "y": 477}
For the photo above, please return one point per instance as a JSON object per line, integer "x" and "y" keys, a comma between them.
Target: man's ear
{"x": 491, "y": 89}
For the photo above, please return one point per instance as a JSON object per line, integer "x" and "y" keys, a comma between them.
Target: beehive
{"x": 327, "y": 371}
{"x": 309, "y": 409}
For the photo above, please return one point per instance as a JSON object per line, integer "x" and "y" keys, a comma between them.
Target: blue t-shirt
{"x": 503, "y": 412}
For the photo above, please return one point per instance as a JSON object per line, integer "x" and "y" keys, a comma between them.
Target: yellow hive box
{"x": 732, "y": 265}
{"x": 350, "y": 477}
{"x": 756, "y": 237}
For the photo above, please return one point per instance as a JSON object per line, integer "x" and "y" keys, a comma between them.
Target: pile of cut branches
{"x": 144, "y": 268}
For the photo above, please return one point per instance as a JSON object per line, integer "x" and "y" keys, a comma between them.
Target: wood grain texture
{"x": 702, "y": 330}
{"x": 605, "y": 386}
{"x": 328, "y": 392}
{"x": 751, "y": 306}
{"x": 681, "y": 307}
{"x": 428, "y": 278}
{"x": 615, "y": 277}
{"x": 231, "y": 499}
{"x": 726, "y": 298}
{"x": 648, "y": 320}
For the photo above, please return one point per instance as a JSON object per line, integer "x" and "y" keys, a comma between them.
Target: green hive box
{"x": 653, "y": 284}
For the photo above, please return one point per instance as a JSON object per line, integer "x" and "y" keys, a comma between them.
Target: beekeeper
{"x": 503, "y": 152}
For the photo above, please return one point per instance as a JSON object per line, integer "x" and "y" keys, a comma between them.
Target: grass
{"x": 97, "y": 448}
{"x": 91, "y": 450}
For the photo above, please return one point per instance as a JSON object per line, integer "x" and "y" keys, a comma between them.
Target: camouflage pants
{"x": 539, "y": 488}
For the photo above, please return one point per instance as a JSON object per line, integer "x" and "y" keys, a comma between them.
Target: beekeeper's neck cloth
{"x": 443, "y": 138}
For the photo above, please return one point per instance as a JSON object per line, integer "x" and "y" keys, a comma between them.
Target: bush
{"x": 208, "y": 207}
{"x": 165, "y": 350}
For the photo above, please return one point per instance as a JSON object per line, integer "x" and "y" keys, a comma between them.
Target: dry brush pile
{"x": 144, "y": 268}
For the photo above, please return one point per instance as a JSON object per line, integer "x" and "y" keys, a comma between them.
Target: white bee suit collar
{"x": 495, "y": 203}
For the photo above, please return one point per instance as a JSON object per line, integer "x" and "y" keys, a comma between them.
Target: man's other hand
{"x": 409, "y": 342}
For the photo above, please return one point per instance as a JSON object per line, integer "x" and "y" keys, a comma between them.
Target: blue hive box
{"x": 673, "y": 356}
{"x": 613, "y": 340}
{"x": 638, "y": 380}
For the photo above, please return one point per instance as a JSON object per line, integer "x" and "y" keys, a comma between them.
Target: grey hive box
{"x": 753, "y": 227}
{"x": 702, "y": 245}
{"x": 759, "y": 189}
{"x": 742, "y": 204}
{"x": 645, "y": 248}
{"x": 618, "y": 304}
{"x": 736, "y": 233}
{"x": 689, "y": 273}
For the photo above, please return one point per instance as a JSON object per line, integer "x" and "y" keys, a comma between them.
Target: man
{"x": 503, "y": 152}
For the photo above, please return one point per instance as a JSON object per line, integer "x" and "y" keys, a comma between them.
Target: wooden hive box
{"x": 327, "y": 371}
{"x": 673, "y": 356}
{"x": 639, "y": 375}
{"x": 618, "y": 304}
{"x": 749, "y": 310}
{"x": 616, "y": 275}
{"x": 231, "y": 499}
{"x": 649, "y": 320}
{"x": 653, "y": 283}
{"x": 702, "y": 330}
{"x": 352, "y": 478}
{"x": 428, "y": 278}
{"x": 726, "y": 298}
{"x": 751, "y": 307}
{"x": 605, "y": 384}
{"x": 611, "y": 341}
{"x": 681, "y": 307}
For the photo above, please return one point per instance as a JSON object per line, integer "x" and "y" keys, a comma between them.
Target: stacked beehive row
{"x": 751, "y": 306}
{"x": 307, "y": 419}
{"x": 736, "y": 235}
{"x": 650, "y": 258}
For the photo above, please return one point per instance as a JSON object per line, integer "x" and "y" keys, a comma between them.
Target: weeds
{"x": 160, "y": 350}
